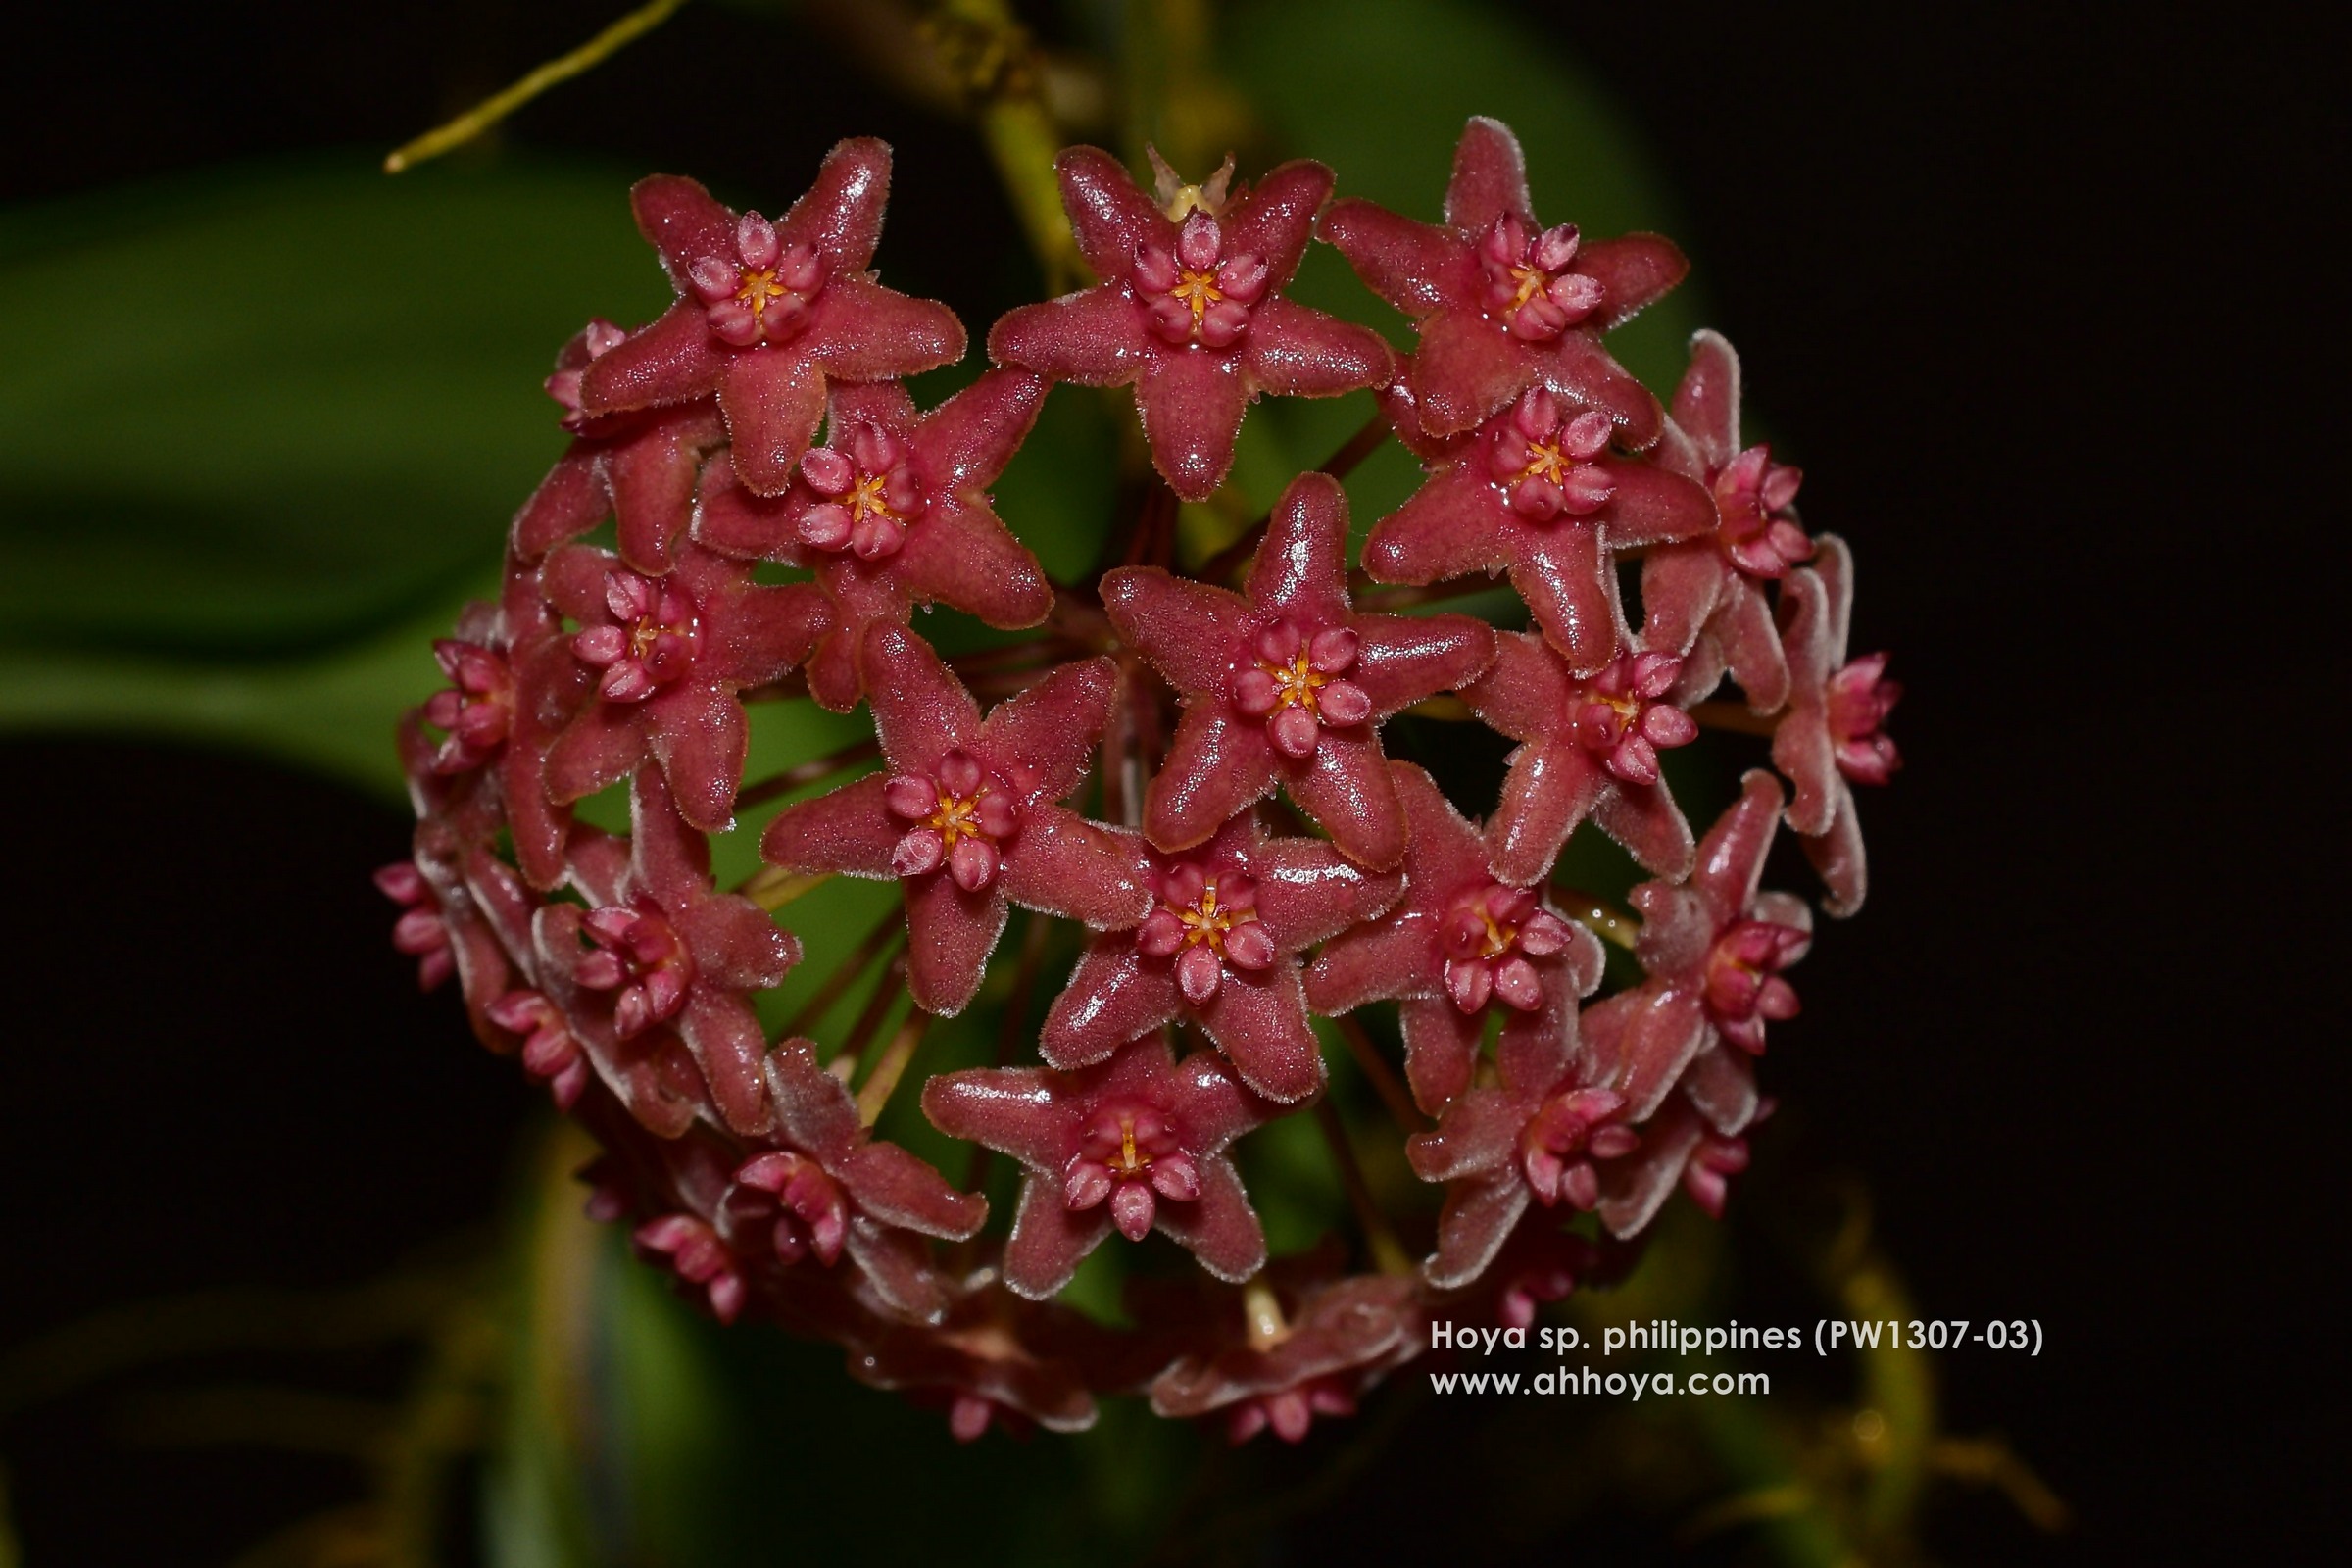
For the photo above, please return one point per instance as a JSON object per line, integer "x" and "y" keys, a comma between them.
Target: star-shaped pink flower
{"x": 1337, "y": 1336}
{"x": 997, "y": 1358}
{"x": 1288, "y": 685}
{"x": 1503, "y": 303}
{"x": 1537, "y": 1134}
{"x": 891, "y": 512}
{"x": 1713, "y": 948}
{"x": 637, "y": 467}
{"x": 965, "y": 817}
{"x": 770, "y": 314}
{"x": 657, "y": 950}
{"x": 672, "y": 655}
{"x": 829, "y": 1186}
{"x": 1190, "y": 310}
{"x": 1704, "y": 596}
{"x": 1830, "y": 738}
{"x": 1458, "y": 940}
{"x": 1136, "y": 1143}
{"x": 1534, "y": 490}
{"x": 1681, "y": 1144}
{"x": 1220, "y": 947}
{"x": 463, "y": 911}
{"x": 1591, "y": 748}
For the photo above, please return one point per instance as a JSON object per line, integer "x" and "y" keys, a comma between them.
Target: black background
{"x": 2047, "y": 304}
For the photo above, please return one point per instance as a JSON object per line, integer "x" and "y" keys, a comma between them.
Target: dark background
{"x": 2045, "y": 302}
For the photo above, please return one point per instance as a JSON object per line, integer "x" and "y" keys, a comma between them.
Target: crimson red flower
{"x": 637, "y": 467}
{"x": 1303, "y": 1342}
{"x": 1713, "y": 949}
{"x": 965, "y": 817}
{"x": 551, "y": 1052}
{"x": 828, "y": 1186}
{"x": 693, "y": 1249}
{"x": 1136, "y": 1143}
{"x": 1288, "y": 685}
{"x": 891, "y": 513}
{"x": 769, "y": 313}
{"x": 1190, "y": 310}
{"x": 1591, "y": 748}
{"x": 1679, "y": 1145}
{"x": 1536, "y": 1133}
{"x": 1830, "y": 739}
{"x": 1704, "y": 596}
{"x": 658, "y": 952}
{"x": 1220, "y": 947}
{"x": 1503, "y": 304}
{"x": 1533, "y": 490}
{"x": 995, "y": 1359}
{"x": 671, "y": 654}
{"x": 1458, "y": 940}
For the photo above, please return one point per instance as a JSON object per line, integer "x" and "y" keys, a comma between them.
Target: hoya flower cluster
{"x": 1189, "y": 769}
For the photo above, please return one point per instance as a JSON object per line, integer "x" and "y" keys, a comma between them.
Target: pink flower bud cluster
{"x": 1192, "y": 770}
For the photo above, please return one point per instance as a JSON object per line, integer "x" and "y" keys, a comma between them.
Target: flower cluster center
{"x": 956, "y": 818}
{"x": 1205, "y": 921}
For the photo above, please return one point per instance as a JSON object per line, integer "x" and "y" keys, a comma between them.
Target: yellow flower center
{"x": 1198, "y": 290}
{"x": 1498, "y": 937}
{"x": 759, "y": 290}
{"x": 1130, "y": 1164}
{"x": 1531, "y": 281}
{"x": 1208, "y": 922}
{"x": 865, "y": 499}
{"x": 1297, "y": 682}
{"x": 957, "y": 817}
{"x": 1547, "y": 462}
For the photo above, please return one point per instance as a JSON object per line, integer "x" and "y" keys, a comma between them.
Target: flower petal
{"x": 840, "y": 215}
{"x": 1049, "y": 1239}
{"x": 1110, "y": 215}
{"x": 1478, "y": 1218}
{"x": 669, "y": 362}
{"x": 1441, "y": 1049}
{"x": 1456, "y": 523}
{"x": 1707, "y": 403}
{"x": 1190, "y": 631}
{"x": 961, "y": 554}
{"x": 1115, "y": 995}
{"x": 1042, "y": 739}
{"x": 921, "y": 710}
{"x": 1564, "y": 575}
{"x": 1633, "y": 271}
{"x": 1219, "y": 1227}
{"x": 1550, "y": 788}
{"x": 1345, "y": 787}
{"x": 1094, "y": 337}
{"x": 862, "y": 331}
{"x": 1259, "y": 1020}
{"x": 949, "y": 934}
{"x": 1467, "y": 368}
{"x": 1415, "y": 267}
{"x": 1066, "y": 865}
{"x": 773, "y": 399}
{"x": 1192, "y": 405}
{"x": 1403, "y": 658}
{"x": 1294, "y": 352}
{"x": 1216, "y": 765}
{"x": 848, "y": 830}
{"x": 1489, "y": 178}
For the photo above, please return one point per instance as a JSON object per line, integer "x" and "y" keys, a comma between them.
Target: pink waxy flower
{"x": 551, "y": 1052}
{"x": 891, "y": 513}
{"x": 1190, "y": 310}
{"x": 1503, "y": 303}
{"x": 637, "y": 466}
{"x": 770, "y": 314}
{"x": 995, "y": 1359}
{"x": 1535, "y": 1133}
{"x": 1136, "y": 1143}
{"x": 1533, "y": 490}
{"x": 1680, "y": 1145}
{"x": 672, "y": 655}
{"x": 1714, "y": 948}
{"x": 965, "y": 817}
{"x": 1287, "y": 685}
{"x": 1591, "y": 748}
{"x": 1329, "y": 1341}
{"x": 1220, "y": 947}
{"x": 475, "y": 712}
{"x": 693, "y": 1249}
{"x": 658, "y": 955}
{"x": 830, "y": 1186}
{"x": 1832, "y": 737}
{"x": 463, "y": 911}
{"x": 1704, "y": 596}
{"x": 1459, "y": 941}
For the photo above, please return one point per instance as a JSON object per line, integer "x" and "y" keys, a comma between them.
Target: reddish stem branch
{"x": 1355, "y": 450}
{"x": 1388, "y": 1254}
{"x": 808, "y": 772}
{"x": 1377, "y": 1071}
{"x": 1736, "y": 717}
{"x": 887, "y": 991}
{"x": 813, "y": 1010}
